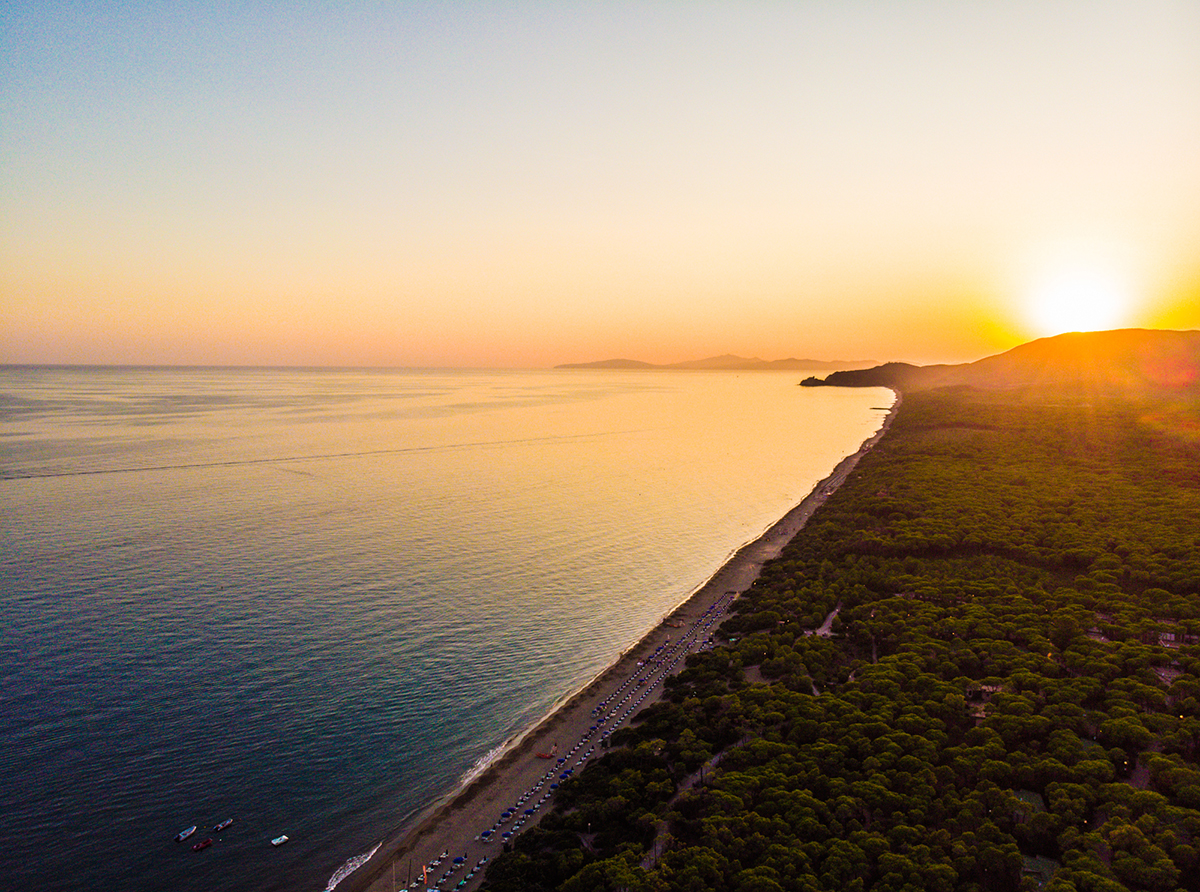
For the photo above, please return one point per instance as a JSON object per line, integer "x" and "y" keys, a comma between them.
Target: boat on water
{"x": 279, "y": 840}
{"x": 222, "y": 825}
{"x": 202, "y": 845}
{"x": 184, "y": 834}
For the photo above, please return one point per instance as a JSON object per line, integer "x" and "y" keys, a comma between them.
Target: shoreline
{"x": 453, "y": 821}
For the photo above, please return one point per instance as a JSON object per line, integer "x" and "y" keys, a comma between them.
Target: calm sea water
{"x": 313, "y": 600}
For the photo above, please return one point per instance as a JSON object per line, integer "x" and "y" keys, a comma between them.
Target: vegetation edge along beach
{"x": 451, "y": 820}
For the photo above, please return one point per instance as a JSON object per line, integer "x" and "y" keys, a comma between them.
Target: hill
{"x": 725, "y": 362}
{"x": 1122, "y": 360}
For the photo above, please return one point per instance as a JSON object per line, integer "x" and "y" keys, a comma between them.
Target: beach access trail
{"x": 450, "y": 828}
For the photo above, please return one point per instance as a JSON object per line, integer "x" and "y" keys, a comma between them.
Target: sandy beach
{"x": 450, "y": 828}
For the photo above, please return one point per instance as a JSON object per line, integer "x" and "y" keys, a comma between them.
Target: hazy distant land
{"x": 727, "y": 362}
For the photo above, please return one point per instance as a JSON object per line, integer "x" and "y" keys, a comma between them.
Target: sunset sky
{"x": 525, "y": 184}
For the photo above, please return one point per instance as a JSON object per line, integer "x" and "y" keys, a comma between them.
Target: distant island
{"x": 727, "y": 362}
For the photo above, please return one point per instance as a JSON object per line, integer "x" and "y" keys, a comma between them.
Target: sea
{"x": 317, "y": 600}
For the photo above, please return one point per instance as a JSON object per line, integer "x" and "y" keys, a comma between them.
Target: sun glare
{"x": 1078, "y": 299}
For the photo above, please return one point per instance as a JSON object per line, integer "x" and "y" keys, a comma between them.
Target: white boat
{"x": 184, "y": 834}
{"x": 279, "y": 840}
{"x": 222, "y": 825}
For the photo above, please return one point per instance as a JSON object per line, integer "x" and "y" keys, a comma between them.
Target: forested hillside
{"x": 1009, "y": 699}
{"x": 1129, "y": 360}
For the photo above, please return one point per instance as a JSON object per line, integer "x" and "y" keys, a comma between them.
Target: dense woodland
{"x": 1010, "y": 699}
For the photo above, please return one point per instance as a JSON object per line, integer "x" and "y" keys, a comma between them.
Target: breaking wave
{"x": 483, "y": 762}
{"x": 351, "y": 865}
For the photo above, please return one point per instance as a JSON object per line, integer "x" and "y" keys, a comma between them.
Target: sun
{"x": 1077, "y": 298}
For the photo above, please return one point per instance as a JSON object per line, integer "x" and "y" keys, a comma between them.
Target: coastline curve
{"x": 448, "y": 823}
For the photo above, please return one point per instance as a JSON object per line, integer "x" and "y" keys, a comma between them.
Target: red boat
{"x": 201, "y": 846}
{"x": 550, "y": 755}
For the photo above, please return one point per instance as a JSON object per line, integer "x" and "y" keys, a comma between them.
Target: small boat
{"x": 201, "y": 846}
{"x": 222, "y": 825}
{"x": 184, "y": 834}
{"x": 279, "y": 840}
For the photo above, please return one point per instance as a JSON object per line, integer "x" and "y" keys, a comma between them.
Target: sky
{"x": 523, "y": 184}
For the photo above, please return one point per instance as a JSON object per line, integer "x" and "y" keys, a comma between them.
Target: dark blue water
{"x": 313, "y": 600}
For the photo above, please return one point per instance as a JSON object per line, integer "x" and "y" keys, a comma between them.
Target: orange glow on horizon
{"x": 1078, "y": 298}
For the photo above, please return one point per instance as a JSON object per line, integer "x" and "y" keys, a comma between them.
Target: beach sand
{"x": 453, "y": 824}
